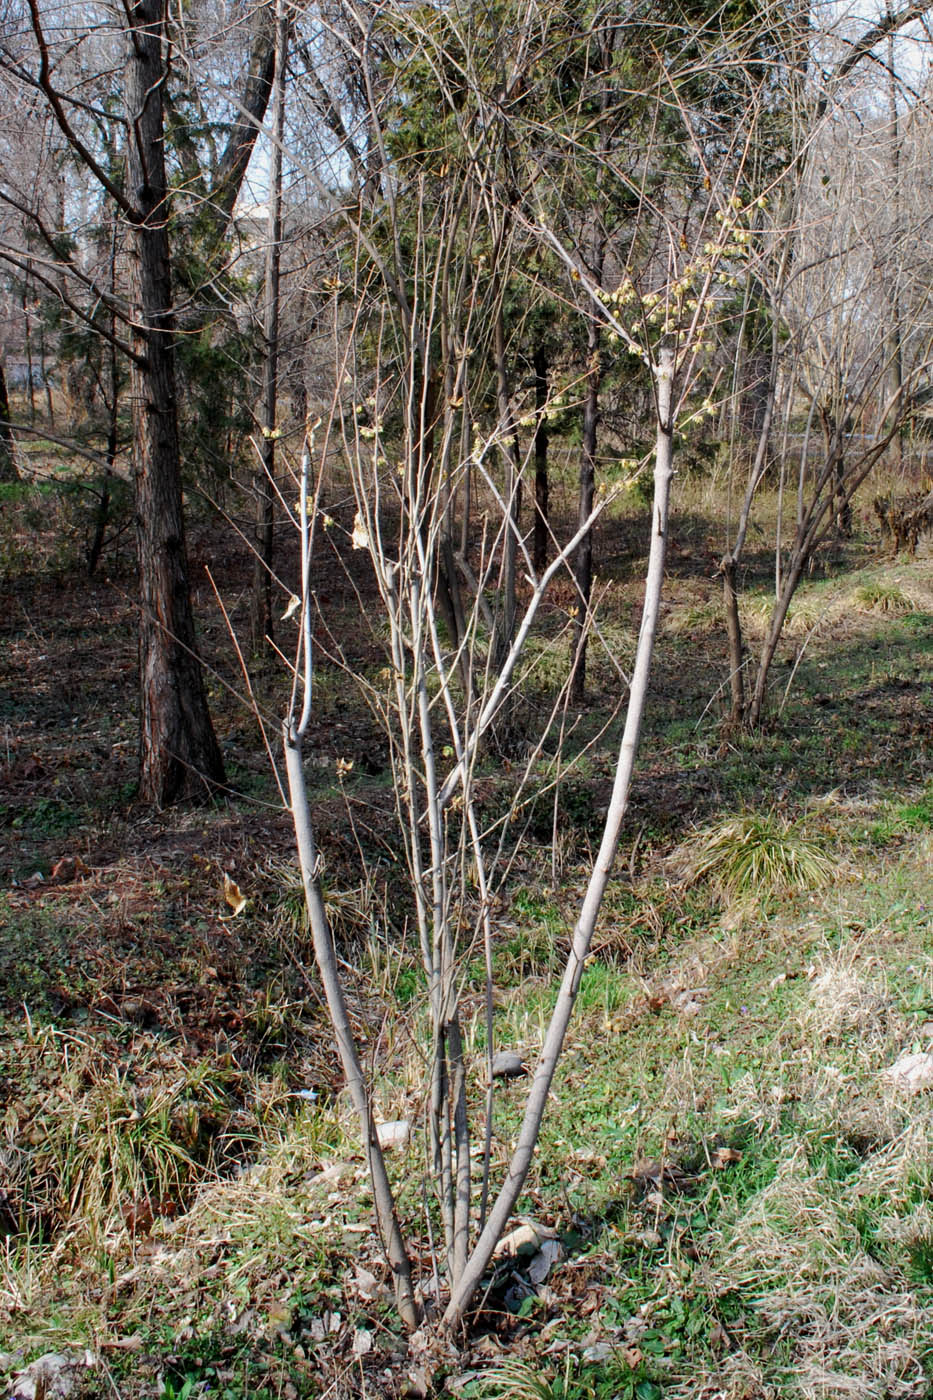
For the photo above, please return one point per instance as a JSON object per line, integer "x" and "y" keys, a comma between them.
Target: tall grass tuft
{"x": 883, "y": 598}
{"x": 756, "y": 856}
{"x": 90, "y": 1144}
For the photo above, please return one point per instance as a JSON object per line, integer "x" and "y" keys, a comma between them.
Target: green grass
{"x": 756, "y": 856}
{"x": 903, "y": 819}
{"x": 884, "y": 598}
{"x": 747, "y": 990}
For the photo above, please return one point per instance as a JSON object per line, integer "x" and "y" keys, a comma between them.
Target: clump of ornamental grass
{"x": 753, "y": 857}
{"x": 354, "y": 912}
{"x": 687, "y": 618}
{"x": 91, "y": 1144}
{"x": 519, "y": 1380}
{"x": 886, "y": 598}
{"x": 809, "y": 613}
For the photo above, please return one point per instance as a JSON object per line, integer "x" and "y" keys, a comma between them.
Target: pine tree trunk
{"x": 179, "y": 755}
{"x": 8, "y": 467}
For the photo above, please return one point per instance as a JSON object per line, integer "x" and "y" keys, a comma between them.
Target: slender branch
{"x": 325, "y": 954}
{"x": 67, "y": 130}
{"x": 28, "y": 265}
{"x": 96, "y": 457}
{"x": 520, "y": 1162}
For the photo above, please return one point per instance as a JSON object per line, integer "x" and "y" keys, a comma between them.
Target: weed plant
{"x": 756, "y": 856}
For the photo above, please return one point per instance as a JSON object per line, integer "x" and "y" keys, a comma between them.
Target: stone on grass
{"x": 507, "y": 1065}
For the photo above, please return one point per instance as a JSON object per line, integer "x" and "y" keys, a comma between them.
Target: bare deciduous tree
{"x": 410, "y": 438}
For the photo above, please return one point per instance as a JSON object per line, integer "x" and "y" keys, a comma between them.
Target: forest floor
{"x": 741, "y": 1191}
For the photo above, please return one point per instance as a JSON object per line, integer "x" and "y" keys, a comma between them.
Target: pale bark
{"x": 326, "y": 959}
{"x": 583, "y": 932}
{"x": 325, "y": 955}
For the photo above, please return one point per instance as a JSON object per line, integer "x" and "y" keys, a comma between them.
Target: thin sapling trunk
{"x": 295, "y": 728}
{"x": 504, "y": 1204}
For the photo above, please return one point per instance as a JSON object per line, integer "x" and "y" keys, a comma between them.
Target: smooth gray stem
{"x": 582, "y": 935}
{"x": 461, "y": 1240}
{"x": 326, "y": 959}
{"x": 440, "y": 1139}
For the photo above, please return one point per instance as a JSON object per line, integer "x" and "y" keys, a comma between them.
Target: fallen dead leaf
{"x": 724, "y": 1157}
{"x": 321, "y": 1327}
{"x": 367, "y": 1285}
{"x": 234, "y": 895}
{"x": 360, "y": 536}
{"x": 525, "y": 1239}
{"x": 550, "y": 1253}
{"x": 280, "y": 1317}
{"x": 67, "y": 869}
{"x": 912, "y": 1072}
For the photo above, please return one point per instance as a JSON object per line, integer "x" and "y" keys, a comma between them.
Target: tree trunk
{"x": 775, "y": 628}
{"x": 541, "y": 474}
{"x": 102, "y": 514}
{"x": 251, "y": 111}
{"x": 179, "y": 755}
{"x": 583, "y": 563}
{"x": 47, "y": 383}
{"x": 8, "y": 468}
{"x": 325, "y": 954}
{"x": 264, "y": 479}
{"x": 834, "y": 423}
{"x": 27, "y": 336}
{"x": 540, "y": 1089}
{"x": 894, "y": 346}
{"x": 729, "y": 570}
{"x": 729, "y": 566}
{"x": 512, "y": 495}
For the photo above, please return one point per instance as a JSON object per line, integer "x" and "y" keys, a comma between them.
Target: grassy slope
{"x": 744, "y": 1198}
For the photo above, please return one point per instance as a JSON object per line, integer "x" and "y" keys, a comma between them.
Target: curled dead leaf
{"x": 67, "y": 869}
{"x": 525, "y": 1239}
{"x": 360, "y": 536}
{"x": 724, "y": 1157}
{"x": 234, "y": 895}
